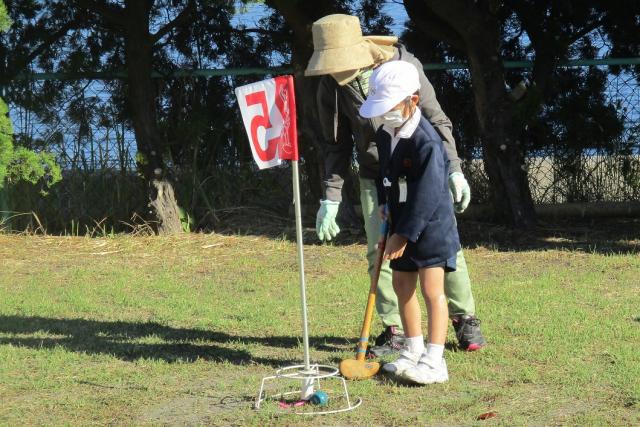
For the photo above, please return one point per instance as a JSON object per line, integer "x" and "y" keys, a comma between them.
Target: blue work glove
{"x": 460, "y": 191}
{"x": 326, "y": 225}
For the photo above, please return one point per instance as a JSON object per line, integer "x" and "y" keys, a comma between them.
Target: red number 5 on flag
{"x": 258, "y": 121}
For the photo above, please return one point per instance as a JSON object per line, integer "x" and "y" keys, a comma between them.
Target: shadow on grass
{"x": 123, "y": 340}
{"x": 601, "y": 236}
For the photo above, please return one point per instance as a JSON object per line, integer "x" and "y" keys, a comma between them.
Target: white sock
{"x": 415, "y": 344}
{"x": 435, "y": 352}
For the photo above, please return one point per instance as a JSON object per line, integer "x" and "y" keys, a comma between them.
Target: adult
{"x": 345, "y": 60}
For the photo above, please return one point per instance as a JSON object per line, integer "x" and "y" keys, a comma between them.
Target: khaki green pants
{"x": 457, "y": 285}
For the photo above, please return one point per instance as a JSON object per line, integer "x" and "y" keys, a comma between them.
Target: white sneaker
{"x": 406, "y": 360}
{"x": 426, "y": 372}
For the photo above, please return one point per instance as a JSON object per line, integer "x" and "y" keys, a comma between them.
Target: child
{"x": 423, "y": 235}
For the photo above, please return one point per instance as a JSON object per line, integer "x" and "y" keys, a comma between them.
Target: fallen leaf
{"x": 487, "y": 415}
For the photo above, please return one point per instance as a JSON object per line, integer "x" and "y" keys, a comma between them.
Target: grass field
{"x": 179, "y": 331}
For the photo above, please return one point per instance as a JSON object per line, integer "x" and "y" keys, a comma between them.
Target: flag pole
{"x": 303, "y": 296}
{"x": 307, "y": 384}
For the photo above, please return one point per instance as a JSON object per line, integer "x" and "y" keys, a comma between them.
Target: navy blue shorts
{"x": 410, "y": 263}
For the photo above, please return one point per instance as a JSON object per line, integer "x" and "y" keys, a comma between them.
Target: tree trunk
{"x": 504, "y": 160}
{"x": 142, "y": 101}
{"x": 163, "y": 202}
{"x": 475, "y": 30}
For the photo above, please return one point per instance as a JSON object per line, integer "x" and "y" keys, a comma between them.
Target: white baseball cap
{"x": 389, "y": 84}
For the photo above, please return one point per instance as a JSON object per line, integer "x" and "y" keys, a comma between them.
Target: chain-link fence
{"x": 559, "y": 175}
{"x": 80, "y": 121}
{"x": 84, "y": 123}
{"x": 594, "y": 178}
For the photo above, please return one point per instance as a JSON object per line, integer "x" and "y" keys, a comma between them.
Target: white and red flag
{"x": 268, "y": 111}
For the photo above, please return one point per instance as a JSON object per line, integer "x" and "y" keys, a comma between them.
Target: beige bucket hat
{"x": 340, "y": 49}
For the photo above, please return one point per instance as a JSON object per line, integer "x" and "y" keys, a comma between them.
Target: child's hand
{"x": 395, "y": 247}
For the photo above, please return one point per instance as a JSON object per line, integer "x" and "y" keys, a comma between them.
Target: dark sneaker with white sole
{"x": 468, "y": 332}
{"x": 388, "y": 342}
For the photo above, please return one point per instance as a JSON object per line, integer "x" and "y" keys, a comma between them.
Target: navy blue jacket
{"x": 426, "y": 219}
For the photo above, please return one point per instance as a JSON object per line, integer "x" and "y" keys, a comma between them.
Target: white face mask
{"x": 393, "y": 119}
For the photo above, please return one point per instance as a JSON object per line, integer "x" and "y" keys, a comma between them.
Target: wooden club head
{"x": 353, "y": 369}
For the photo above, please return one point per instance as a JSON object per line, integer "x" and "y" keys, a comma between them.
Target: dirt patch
{"x": 197, "y": 410}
